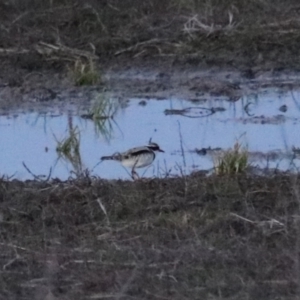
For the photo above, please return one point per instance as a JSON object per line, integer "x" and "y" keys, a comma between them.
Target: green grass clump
{"x": 232, "y": 161}
{"x": 84, "y": 73}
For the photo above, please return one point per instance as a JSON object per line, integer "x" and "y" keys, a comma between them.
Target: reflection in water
{"x": 102, "y": 114}
{"x": 29, "y": 137}
{"x": 68, "y": 149}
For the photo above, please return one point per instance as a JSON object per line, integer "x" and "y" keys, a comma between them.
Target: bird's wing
{"x": 135, "y": 149}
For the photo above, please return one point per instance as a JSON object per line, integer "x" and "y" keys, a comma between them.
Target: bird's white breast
{"x": 139, "y": 161}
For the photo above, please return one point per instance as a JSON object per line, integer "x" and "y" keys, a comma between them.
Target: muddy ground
{"x": 180, "y": 238}
{"x": 151, "y": 48}
{"x": 194, "y": 237}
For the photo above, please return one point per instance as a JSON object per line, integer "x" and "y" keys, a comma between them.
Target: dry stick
{"x": 94, "y": 11}
{"x": 6, "y": 51}
{"x": 295, "y": 100}
{"x": 102, "y": 296}
{"x": 11, "y": 261}
{"x": 146, "y": 169}
{"x": 104, "y": 210}
{"x": 181, "y": 145}
{"x": 125, "y": 287}
{"x": 242, "y": 218}
{"x": 36, "y": 176}
{"x": 184, "y": 161}
{"x": 282, "y": 23}
{"x": 126, "y": 264}
{"x": 16, "y": 247}
{"x": 96, "y": 165}
{"x": 167, "y": 171}
{"x": 297, "y": 263}
{"x": 195, "y": 25}
{"x": 270, "y": 222}
{"x": 140, "y": 53}
{"x": 18, "y": 18}
{"x": 137, "y": 45}
{"x": 46, "y": 48}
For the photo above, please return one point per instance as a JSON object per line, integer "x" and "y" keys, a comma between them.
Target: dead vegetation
{"x": 182, "y": 238}
{"x": 233, "y": 32}
{"x": 232, "y": 161}
{"x": 84, "y": 73}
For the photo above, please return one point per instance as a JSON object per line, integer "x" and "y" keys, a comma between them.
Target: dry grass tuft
{"x": 232, "y": 161}
{"x": 84, "y": 73}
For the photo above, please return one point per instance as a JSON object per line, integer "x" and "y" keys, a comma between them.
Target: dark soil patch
{"x": 181, "y": 238}
{"x": 41, "y": 41}
{"x": 50, "y": 35}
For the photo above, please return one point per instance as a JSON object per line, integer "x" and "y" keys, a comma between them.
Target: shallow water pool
{"x": 267, "y": 123}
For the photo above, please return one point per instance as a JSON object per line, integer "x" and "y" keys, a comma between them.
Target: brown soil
{"x": 40, "y": 41}
{"x": 181, "y": 238}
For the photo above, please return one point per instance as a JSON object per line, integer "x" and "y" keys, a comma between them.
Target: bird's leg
{"x": 134, "y": 174}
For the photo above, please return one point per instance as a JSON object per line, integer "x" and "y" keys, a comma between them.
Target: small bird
{"x": 137, "y": 157}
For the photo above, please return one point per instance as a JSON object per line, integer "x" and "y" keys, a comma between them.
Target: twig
{"x": 195, "y": 25}
{"x": 181, "y": 145}
{"x": 11, "y": 262}
{"x": 125, "y": 287}
{"x": 28, "y": 170}
{"x": 242, "y": 218}
{"x": 131, "y": 48}
{"x": 104, "y": 210}
{"x": 96, "y": 165}
{"x": 6, "y": 51}
{"x": 38, "y": 177}
{"x": 16, "y": 247}
{"x": 127, "y": 265}
{"x": 271, "y": 222}
{"x": 50, "y": 49}
{"x": 18, "y": 18}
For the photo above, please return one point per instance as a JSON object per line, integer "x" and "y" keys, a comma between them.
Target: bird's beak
{"x": 161, "y": 150}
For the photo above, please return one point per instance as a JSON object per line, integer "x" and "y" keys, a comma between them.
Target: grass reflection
{"x": 102, "y": 114}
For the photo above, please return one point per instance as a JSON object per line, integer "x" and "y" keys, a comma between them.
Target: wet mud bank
{"x": 46, "y": 88}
